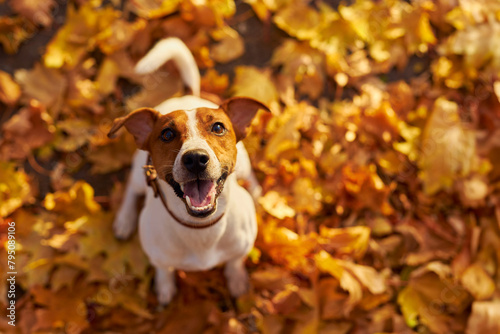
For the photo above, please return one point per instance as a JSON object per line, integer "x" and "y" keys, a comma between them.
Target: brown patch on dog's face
{"x": 164, "y": 150}
{"x": 223, "y": 143}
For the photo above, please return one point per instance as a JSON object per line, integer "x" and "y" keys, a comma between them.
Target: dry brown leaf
{"x": 31, "y": 128}
{"x": 484, "y": 318}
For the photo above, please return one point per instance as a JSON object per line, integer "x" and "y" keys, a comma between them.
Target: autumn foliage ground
{"x": 380, "y": 164}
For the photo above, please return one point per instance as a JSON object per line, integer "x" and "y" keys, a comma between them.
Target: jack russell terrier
{"x": 195, "y": 216}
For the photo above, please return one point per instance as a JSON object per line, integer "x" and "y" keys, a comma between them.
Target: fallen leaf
{"x": 67, "y": 310}
{"x": 29, "y": 129}
{"x": 276, "y": 205}
{"x": 478, "y": 282}
{"x": 448, "y": 148}
{"x": 13, "y": 32}
{"x": 43, "y": 84}
{"x": 38, "y": 12}
{"x": 15, "y": 189}
{"x": 484, "y": 318}
{"x": 113, "y": 156}
{"x": 230, "y": 45}
{"x": 10, "y": 92}
{"x": 78, "y": 35}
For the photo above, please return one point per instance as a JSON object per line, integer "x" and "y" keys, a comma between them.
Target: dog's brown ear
{"x": 139, "y": 123}
{"x": 241, "y": 111}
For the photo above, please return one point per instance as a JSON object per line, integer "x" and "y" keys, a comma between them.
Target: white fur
{"x": 168, "y": 244}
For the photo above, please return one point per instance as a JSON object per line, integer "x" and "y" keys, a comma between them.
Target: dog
{"x": 195, "y": 216}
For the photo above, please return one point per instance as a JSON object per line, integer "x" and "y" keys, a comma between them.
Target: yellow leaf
{"x": 15, "y": 189}
{"x": 255, "y": 83}
{"x": 425, "y": 30}
{"x": 72, "y": 134}
{"x": 350, "y": 240}
{"x": 151, "y": 9}
{"x": 334, "y": 267}
{"x": 10, "y": 92}
{"x": 448, "y": 148}
{"x": 79, "y": 34}
{"x": 299, "y": 20}
{"x": 478, "y": 282}
{"x": 78, "y": 201}
{"x": 229, "y": 47}
{"x": 276, "y": 205}
{"x": 118, "y": 35}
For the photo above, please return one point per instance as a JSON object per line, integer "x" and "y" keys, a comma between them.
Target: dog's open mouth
{"x": 199, "y": 195}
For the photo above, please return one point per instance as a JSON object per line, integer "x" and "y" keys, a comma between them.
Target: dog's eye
{"x": 167, "y": 135}
{"x": 219, "y": 129}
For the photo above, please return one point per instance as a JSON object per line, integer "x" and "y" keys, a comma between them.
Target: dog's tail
{"x": 172, "y": 49}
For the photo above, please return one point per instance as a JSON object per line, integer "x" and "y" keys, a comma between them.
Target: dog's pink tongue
{"x": 200, "y": 192}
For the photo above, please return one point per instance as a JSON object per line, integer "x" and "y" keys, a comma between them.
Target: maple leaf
{"x": 79, "y": 34}
{"x": 42, "y": 84}
{"x": 65, "y": 309}
{"x": 214, "y": 82}
{"x": 252, "y": 82}
{"x": 29, "y": 129}
{"x": 381, "y": 111}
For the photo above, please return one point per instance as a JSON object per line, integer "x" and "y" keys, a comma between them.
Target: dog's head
{"x": 193, "y": 150}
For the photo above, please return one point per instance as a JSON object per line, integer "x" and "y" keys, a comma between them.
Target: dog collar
{"x": 152, "y": 181}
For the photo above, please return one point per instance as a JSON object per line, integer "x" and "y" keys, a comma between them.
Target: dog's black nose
{"x": 195, "y": 161}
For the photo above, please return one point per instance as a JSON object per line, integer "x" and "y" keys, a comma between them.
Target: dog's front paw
{"x": 124, "y": 225}
{"x": 165, "y": 285}
{"x": 165, "y": 293}
{"x": 237, "y": 279}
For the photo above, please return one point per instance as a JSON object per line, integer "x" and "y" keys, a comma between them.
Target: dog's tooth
{"x": 182, "y": 187}
{"x": 188, "y": 200}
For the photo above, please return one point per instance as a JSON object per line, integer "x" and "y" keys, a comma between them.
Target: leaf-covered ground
{"x": 380, "y": 164}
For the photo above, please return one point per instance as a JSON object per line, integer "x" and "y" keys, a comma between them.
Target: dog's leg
{"x": 126, "y": 217}
{"x": 237, "y": 276}
{"x": 165, "y": 284}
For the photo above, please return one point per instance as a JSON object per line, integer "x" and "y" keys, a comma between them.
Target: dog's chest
{"x": 168, "y": 244}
